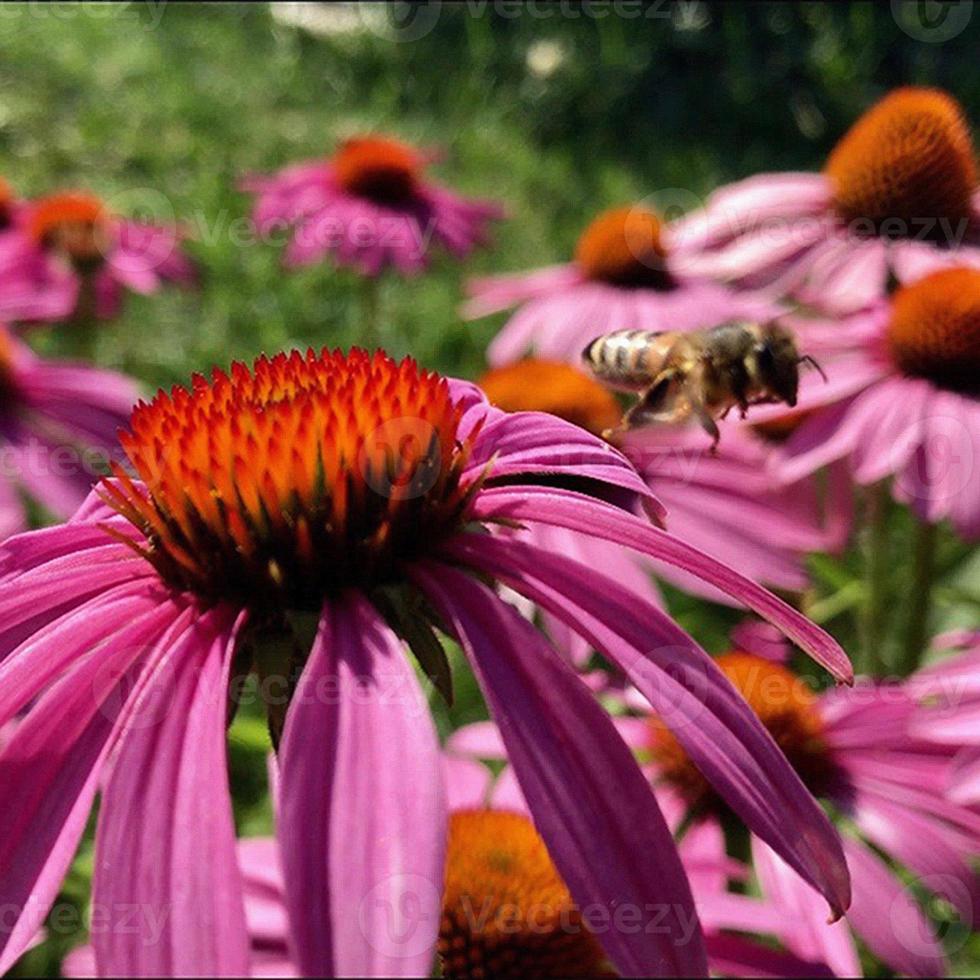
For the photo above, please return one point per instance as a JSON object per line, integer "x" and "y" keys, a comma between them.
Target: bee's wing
{"x": 667, "y": 400}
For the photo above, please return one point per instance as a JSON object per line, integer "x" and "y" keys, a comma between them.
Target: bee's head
{"x": 777, "y": 363}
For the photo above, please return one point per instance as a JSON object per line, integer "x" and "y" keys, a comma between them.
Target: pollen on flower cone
{"x": 908, "y": 162}
{"x": 73, "y": 222}
{"x": 304, "y": 475}
{"x": 784, "y": 704}
{"x": 934, "y": 330}
{"x": 378, "y": 167}
{"x": 505, "y": 910}
{"x": 534, "y": 385}
{"x": 624, "y": 247}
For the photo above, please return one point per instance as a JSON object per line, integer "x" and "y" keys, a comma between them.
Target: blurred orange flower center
{"x": 379, "y": 168}
{"x": 289, "y": 481}
{"x": 934, "y": 330}
{"x": 6, "y": 200}
{"x": 906, "y": 168}
{"x": 534, "y": 385}
{"x": 505, "y": 910}
{"x": 624, "y": 247}
{"x": 785, "y": 705}
{"x": 74, "y": 223}
{"x": 6, "y": 366}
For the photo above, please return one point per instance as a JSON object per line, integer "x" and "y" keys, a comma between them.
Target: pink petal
{"x": 803, "y": 919}
{"x": 686, "y": 688}
{"x": 889, "y": 920}
{"x": 362, "y": 821}
{"x": 50, "y": 771}
{"x": 165, "y": 843}
{"x": 587, "y": 514}
{"x": 467, "y": 783}
{"x": 590, "y": 802}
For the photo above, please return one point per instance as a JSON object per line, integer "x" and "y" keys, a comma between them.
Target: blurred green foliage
{"x": 558, "y": 111}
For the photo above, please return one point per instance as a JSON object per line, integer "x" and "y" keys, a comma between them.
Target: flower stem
{"x": 876, "y": 580}
{"x": 920, "y": 598}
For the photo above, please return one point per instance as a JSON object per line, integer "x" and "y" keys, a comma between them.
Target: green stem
{"x": 920, "y": 599}
{"x": 876, "y": 580}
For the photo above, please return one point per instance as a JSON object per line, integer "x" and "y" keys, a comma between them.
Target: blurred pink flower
{"x": 859, "y": 750}
{"x": 67, "y": 255}
{"x": 623, "y": 276}
{"x": 949, "y": 692}
{"x": 285, "y": 516}
{"x": 898, "y": 196}
{"x": 56, "y": 420}
{"x": 368, "y": 206}
{"x": 902, "y": 400}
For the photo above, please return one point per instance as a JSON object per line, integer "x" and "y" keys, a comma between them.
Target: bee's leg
{"x": 707, "y": 422}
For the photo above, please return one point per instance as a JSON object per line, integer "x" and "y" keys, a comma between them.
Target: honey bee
{"x": 704, "y": 374}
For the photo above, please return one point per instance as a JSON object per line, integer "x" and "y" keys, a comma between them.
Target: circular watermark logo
{"x": 399, "y": 917}
{"x": 932, "y": 21}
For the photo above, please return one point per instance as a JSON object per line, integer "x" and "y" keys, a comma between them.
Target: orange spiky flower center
{"x": 307, "y": 474}
{"x": 624, "y": 247}
{"x": 534, "y": 385}
{"x": 379, "y": 168}
{"x": 74, "y": 223}
{"x": 934, "y": 329}
{"x": 906, "y": 168}
{"x": 506, "y": 911}
{"x": 785, "y": 705}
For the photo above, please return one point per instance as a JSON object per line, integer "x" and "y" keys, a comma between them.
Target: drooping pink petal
{"x": 165, "y": 843}
{"x": 588, "y": 798}
{"x": 523, "y": 443}
{"x": 362, "y": 813}
{"x": 50, "y": 770}
{"x": 56, "y": 647}
{"x": 586, "y": 514}
{"x": 720, "y": 733}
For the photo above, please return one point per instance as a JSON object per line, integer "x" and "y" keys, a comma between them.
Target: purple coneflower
{"x": 902, "y": 398}
{"x": 58, "y": 422}
{"x": 369, "y": 206}
{"x": 623, "y": 276}
{"x": 858, "y": 751}
{"x": 898, "y": 196}
{"x": 300, "y": 518}
{"x": 67, "y": 255}
{"x": 949, "y": 692}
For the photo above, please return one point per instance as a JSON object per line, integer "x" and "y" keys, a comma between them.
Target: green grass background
{"x": 161, "y": 107}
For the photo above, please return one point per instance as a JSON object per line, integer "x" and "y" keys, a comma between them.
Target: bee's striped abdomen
{"x": 624, "y": 359}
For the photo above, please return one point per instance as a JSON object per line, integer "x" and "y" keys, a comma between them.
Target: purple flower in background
{"x": 369, "y": 206}
{"x": 302, "y": 518}
{"x": 58, "y": 422}
{"x": 860, "y": 750}
{"x": 67, "y": 255}
{"x": 898, "y": 197}
{"x": 902, "y": 399}
{"x": 625, "y": 275}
